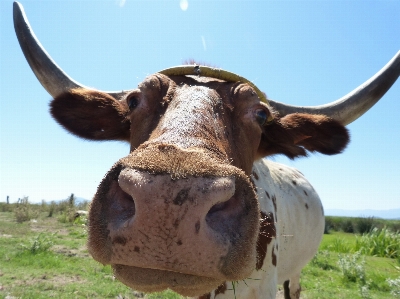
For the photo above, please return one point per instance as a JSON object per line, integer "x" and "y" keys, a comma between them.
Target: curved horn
{"x": 49, "y": 74}
{"x": 350, "y": 107}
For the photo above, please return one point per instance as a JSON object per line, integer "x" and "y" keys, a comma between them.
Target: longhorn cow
{"x": 194, "y": 207}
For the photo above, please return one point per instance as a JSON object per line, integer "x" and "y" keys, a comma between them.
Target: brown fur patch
{"x": 265, "y": 236}
{"x": 205, "y": 296}
{"x": 181, "y": 197}
{"x": 221, "y": 289}
{"x": 91, "y": 115}
{"x": 297, "y": 133}
{"x": 286, "y": 290}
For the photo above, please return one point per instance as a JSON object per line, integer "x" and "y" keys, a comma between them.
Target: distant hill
{"x": 78, "y": 200}
{"x": 385, "y": 214}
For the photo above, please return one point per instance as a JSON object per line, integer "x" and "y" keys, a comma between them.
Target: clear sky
{"x": 298, "y": 52}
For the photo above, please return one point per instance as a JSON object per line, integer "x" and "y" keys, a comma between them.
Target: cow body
{"x": 288, "y": 239}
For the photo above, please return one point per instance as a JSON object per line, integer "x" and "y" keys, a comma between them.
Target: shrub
{"x": 382, "y": 243}
{"x": 347, "y": 226}
{"x": 67, "y": 209}
{"x": 52, "y": 208}
{"x": 339, "y": 245}
{"x": 40, "y": 243}
{"x": 364, "y": 224}
{"x": 333, "y": 223}
{"x": 353, "y": 270}
{"x": 67, "y": 216}
{"x": 393, "y": 225}
{"x": 352, "y": 266}
{"x": 24, "y": 211}
{"x": 321, "y": 260}
{"x": 6, "y": 207}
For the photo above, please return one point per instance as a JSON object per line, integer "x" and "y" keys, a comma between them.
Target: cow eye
{"x": 133, "y": 102}
{"x": 261, "y": 117}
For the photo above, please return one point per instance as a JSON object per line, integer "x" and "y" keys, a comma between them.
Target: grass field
{"x": 47, "y": 258}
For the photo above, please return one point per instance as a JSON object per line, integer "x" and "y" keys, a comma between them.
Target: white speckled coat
{"x": 299, "y": 222}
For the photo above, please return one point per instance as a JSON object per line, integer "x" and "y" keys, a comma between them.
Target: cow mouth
{"x": 154, "y": 280}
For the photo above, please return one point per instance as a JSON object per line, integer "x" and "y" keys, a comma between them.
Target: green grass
{"x": 64, "y": 270}
{"x": 49, "y": 259}
{"x": 323, "y": 276}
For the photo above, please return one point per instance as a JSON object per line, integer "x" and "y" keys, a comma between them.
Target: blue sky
{"x": 298, "y": 52}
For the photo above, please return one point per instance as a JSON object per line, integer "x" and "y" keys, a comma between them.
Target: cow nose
{"x": 193, "y": 215}
{"x": 211, "y": 200}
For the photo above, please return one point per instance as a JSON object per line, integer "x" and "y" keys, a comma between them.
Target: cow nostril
{"x": 220, "y": 206}
{"x": 226, "y": 208}
{"x": 122, "y": 205}
{"x": 126, "y": 202}
{"x": 223, "y": 216}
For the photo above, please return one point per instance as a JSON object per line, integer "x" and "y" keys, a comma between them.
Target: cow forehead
{"x": 223, "y": 88}
{"x": 212, "y": 72}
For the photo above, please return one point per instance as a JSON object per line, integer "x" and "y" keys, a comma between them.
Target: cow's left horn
{"x": 49, "y": 74}
{"x": 350, "y": 107}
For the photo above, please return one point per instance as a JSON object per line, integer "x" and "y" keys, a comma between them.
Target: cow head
{"x": 180, "y": 211}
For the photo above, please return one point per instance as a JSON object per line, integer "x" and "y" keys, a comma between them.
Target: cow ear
{"x": 91, "y": 115}
{"x": 295, "y": 134}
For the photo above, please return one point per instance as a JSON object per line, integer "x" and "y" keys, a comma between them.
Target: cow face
{"x": 179, "y": 211}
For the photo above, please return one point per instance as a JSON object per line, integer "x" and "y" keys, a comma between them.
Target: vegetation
{"x": 43, "y": 255}
{"x": 24, "y": 211}
{"x": 384, "y": 243}
{"x": 359, "y": 225}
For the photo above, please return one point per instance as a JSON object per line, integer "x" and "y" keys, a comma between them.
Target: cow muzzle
{"x": 198, "y": 226}
{"x": 181, "y": 225}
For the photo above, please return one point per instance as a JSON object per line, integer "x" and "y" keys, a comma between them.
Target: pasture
{"x": 44, "y": 255}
